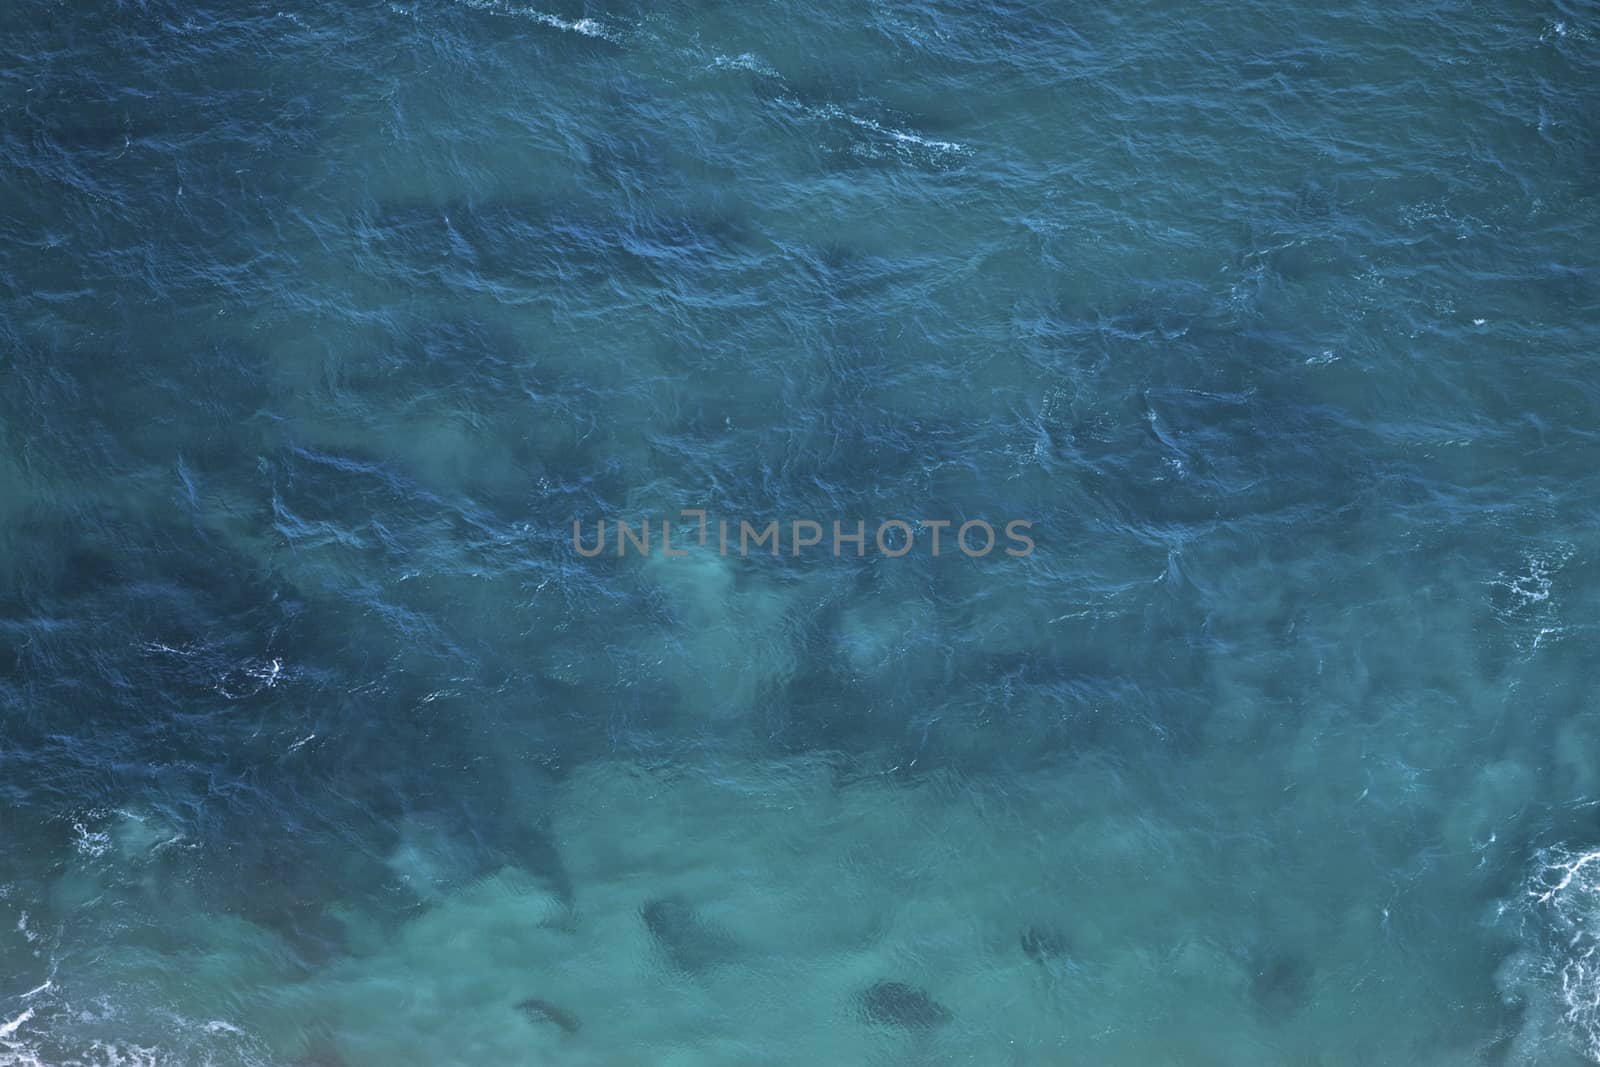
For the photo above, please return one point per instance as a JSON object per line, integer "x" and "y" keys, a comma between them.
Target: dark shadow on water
{"x": 899, "y": 1005}
{"x": 542, "y": 1012}
{"x": 688, "y": 942}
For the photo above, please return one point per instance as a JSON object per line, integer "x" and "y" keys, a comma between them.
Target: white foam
{"x": 902, "y": 138}
{"x": 1561, "y": 30}
{"x": 1527, "y": 601}
{"x": 586, "y": 27}
{"x": 898, "y": 139}
{"x": 91, "y": 843}
{"x": 1558, "y": 972}
{"x": 744, "y": 61}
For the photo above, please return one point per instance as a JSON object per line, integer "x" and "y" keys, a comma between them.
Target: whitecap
{"x": 744, "y": 61}
{"x": 898, "y": 139}
{"x": 91, "y": 843}
{"x": 1558, "y": 970}
{"x": 586, "y": 27}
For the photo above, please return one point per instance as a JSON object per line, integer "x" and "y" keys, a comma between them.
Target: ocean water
{"x": 323, "y": 744}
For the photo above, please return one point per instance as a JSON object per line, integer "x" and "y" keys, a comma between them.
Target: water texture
{"x": 322, "y": 745}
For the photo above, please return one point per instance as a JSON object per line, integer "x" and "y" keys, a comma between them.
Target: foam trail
{"x": 588, "y": 27}
{"x": 1560, "y": 965}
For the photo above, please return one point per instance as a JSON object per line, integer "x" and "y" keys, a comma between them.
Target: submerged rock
{"x": 542, "y": 1011}
{"x": 1280, "y": 984}
{"x": 1044, "y": 943}
{"x": 688, "y": 942}
{"x": 897, "y": 1004}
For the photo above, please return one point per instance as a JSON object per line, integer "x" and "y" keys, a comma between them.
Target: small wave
{"x": 1526, "y": 600}
{"x": 90, "y": 843}
{"x": 904, "y": 137}
{"x": 1532, "y": 588}
{"x": 902, "y": 141}
{"x": 745, "y": 61}
{"x": 1561, "y": 29}
{"x": 13, "y": 1051}
{"x": 587, "y": 27}
{"x": 1558, "y": 971}
{"x": 35, "y": 1038}
{"x": 235, "y": 681}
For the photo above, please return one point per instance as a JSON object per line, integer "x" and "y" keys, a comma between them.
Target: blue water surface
{"x": 323, "y": 744}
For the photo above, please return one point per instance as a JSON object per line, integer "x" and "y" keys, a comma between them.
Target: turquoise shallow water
{"x": 321, "y": 743}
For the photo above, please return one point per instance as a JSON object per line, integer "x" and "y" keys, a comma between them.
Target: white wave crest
{"x": 587, "y": 27}
{"x": 1558, "y": 972}
{"x": 744, "y": 61}
{"x": 897, "y": 138}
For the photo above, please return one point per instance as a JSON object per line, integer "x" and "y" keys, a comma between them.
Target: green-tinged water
{"x": 324, "y": 744}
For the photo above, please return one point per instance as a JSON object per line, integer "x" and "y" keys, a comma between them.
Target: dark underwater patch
{"x": 1280, "y": 984}
{"x": 903, "y": 1006}
{"x": 689, "y": 943}
{"x": 543, "y": 1012}
{"x": 1044, "y": 944}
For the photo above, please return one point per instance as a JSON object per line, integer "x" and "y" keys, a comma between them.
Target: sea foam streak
{"x": 1560, "y": 965}
{"x": 588, "y": 27}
